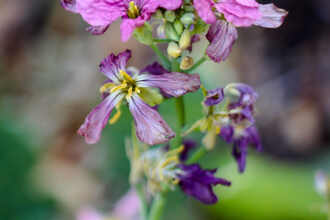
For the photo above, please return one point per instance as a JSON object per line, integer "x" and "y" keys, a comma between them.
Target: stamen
{"x": 122, "y": 86}
{"x": 116, "y": 117}
{"x": 133, "y": 10}
{"x": 126, "y": 76}
{"x": 107, "y": 87}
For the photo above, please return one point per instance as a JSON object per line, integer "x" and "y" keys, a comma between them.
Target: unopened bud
{"x": 178, "y": 26}
{"x": 185, "y": 40}
{"x": 170, "y": 32}
{"x": 173, "y": 50}
{"x": 186, "y": 63}
{"x": 187, "y": 18}
{"x": 170, "y": 16}
{"x": 161, "y": 31}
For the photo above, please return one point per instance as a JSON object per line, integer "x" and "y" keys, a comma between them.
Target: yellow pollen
{"x": 133, "y": 10}
{"x": 126, "y": 76}
{"x": 129, "y": 92}
{"x": 107, "y": 87}
{"x": 217, "y": 130}
{"x": 121, "y": 86}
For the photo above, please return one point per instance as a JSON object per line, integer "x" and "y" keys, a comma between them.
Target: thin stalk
{"x": 197, "y": 155}
{"x": 162, "y": 40}
{"x": 157, "y": 208}
{"x": 197, "y": 64}
{"x": 143, "y": 201}
{"x": 165, "y": 61}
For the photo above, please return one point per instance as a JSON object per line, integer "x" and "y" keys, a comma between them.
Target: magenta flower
{"x": 237, "y": 13}
{"x": 101, "y": 13}
{"x": 134, "y": 87}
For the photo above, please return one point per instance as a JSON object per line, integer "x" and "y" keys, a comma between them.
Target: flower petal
{"x": 96, "y": 120}
{"x": 112, "y": 65}
{"x": 214, "y": 97}
{"x": 222, "y": 36}
{"x": 69, "y": 5}
{"x": 204, "y": 10}
{"x": 169, "y": 4}
{"x": 97, "y": 30}
{"x": 150, "y": 127}
{"x": 154, "y": 69}
{"x": 172, "y": 84}
{"x": 271, "y": 16}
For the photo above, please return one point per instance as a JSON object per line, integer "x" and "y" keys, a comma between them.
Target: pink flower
{"x": 101, "y": 13}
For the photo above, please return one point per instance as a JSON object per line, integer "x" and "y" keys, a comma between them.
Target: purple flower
{"x": 214, "y": 97}
{"x": 134, "y": 87}
{"x": 237, "y": 13}
{"x": 188, "y": 146}
{"x": 101, "y": 13}
{"x": 241, "y": 137}
{"x": 198, "y": 183}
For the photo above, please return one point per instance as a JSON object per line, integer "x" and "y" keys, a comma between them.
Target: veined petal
{"x": 214, "y": 97}
{"x": 271, "y": 16}
{"x": 204, "y": 10}
{"x": 150, "y": 127}
{"x": 172, "y": 84}
{"x": 112, "y": 65}
{"x": 154, "y": 69}
{"x": 96, "y": 120}
{"x": 97, "y": 30}
{"x": 100, "y": 12}
{"x": 222, "y": 36}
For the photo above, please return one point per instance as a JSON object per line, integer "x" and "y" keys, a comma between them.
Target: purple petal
{"x": 204, "y": 10}
{"x": 169, "y": 4}
{"x": 254, "y": 137}
{"x": 173, "y": 84}
{"x": 128, "y": 26}
{"x": 96, "y": 120}
{"x": 100, "y": 12}
{"x": 69, "y": 5}
{"x": 154, "y": 69}
{"x": 150, "y": 127}
{"x": 271, "y": 16}
{"x": 188, "y": 146}
{"x": 240, "y": 153}
{"x": 222, "y": 36}
{"x": 241, "y": 13}
{"x": 214, "y": 97}
{"x": 227, "y": 133}
{"x": 112, "y": 65}
{"x": 97, "y": 30}
{"x": 198, "y": 183}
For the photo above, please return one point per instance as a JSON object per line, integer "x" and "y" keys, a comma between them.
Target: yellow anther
{"x": 217, "y": 130}
{"x": 169, "y": 160}
{"x": 121, "y": 86}
{"x": 129, "y": 93}
{"x": 133, "y": 10}
{"x": 116, "y": 117}
{"x": 176, "y": 181}
{"x": 126, "y": 76}
{"x": 176, "y": 151}
{"x": 137, "y": 90}
{"x": 107, "y": 87}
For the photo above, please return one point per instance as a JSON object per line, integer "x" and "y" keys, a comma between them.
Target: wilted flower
{"x": 135, "y": 87}
{"x": 236, "y": 13}
{"x": 101, "y": 13}
{"x": 198, "y": 183}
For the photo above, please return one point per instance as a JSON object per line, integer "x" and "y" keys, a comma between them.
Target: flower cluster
{"x": 229, "y": 111}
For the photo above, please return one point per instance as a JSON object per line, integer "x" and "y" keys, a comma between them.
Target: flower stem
{"x": 197, "y": 64}
{"x": 197, "y": 155}
{"x": 164, "y": 60}
{"x": 157, "y": 208}
{"x": 143, "y": 201}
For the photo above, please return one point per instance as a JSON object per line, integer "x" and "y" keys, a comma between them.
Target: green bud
{"x": 170, "y": 16}
{"x": 173, "y": 50}
{"x": 178, "y": 26}
{"x": 170, "y": 32}
{"x": 150, "y": 96}
{"x": 185, "y": 40}
{"x": 187, "y": 18}
{"x": 161, "y": 31}
{"x": 143, "y": 35}
{"x": 189, "y": 8}
{"x": 186, "y": 63}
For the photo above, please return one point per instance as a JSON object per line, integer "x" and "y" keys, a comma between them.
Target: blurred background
{"x": 49, "y": 81}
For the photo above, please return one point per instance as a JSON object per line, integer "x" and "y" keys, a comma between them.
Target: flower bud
{"x": 186, "y": 63}
{"x": 173, "y": 50}
{"x": 185, "y": 40}
{"x": 161, "y": 31}
{"x": 187, "y": 18}
{"x": 143, "y": 35}
{"x": 170, "y": 16}
{"x": 178, "y": 26}
{"x": 170, "y": 32}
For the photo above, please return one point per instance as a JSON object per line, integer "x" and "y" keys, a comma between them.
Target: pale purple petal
{"x": 88, "y": 214}
{"x": 222, "y": 36}
{"x": 100, "y": 12}
{"x": 112, "y": 64}
{"x": 204, "y": 10}
{"x": 128, "y": 206}
{"x": 271, "y": 16}
{"x": 173, "y": 84}
{"x": 96, "y": 120}
{"x": 154, "y": 69}
{"x": 69, "y": 5}
{"x": 214, "y": 97}
{"x": 169, "y": 4}
{"x": 241, "y": 13}
{"x": 150, "y": 127}
{"x": 97, "y": 30}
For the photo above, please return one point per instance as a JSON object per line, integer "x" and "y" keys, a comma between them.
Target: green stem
{"x": 197, "y": 155}
{"x": 165, "y": 61}
{"x": 162, "y": 40}
{"x": 157, "y": 208}
{"x": 143, "y": 201}
{"x": 179, "y": 103}
{"x": 197, "y": 64}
